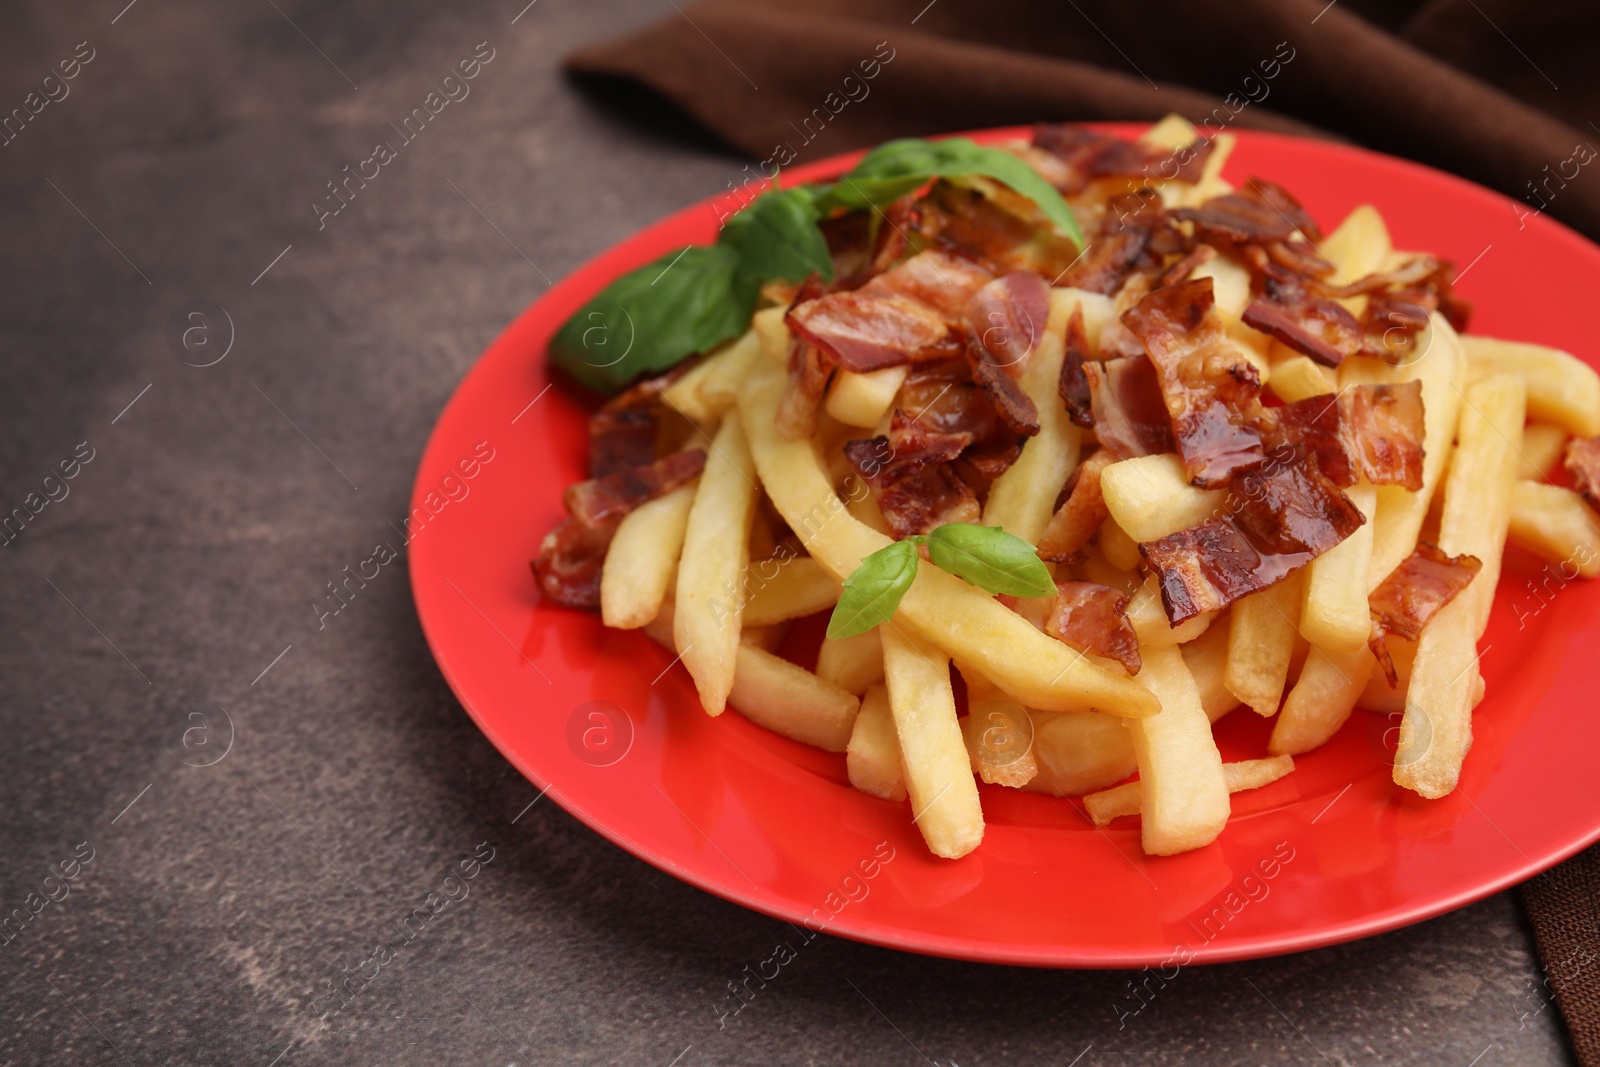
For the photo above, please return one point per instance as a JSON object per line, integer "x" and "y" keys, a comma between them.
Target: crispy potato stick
{"x": 1211, "y": 182}
{"x": 1299, "y": 377}
{"x": 1097, "y": 567}
{"x": 1261, "y": 643}
{"x": 1356, "y": 248}
{"x": 1231, "y": 285}
{"x": 1125, "y": 799}
{"x": 1185, "y": 796}
{"x": 1120, "y": 550}
{"x": 1330, "y": 684}
{"x": 1022, "y": 499}
{"x": 873, "y": 758}
{"x": 1173, "y": 131}
{"x": 1556, "y": 525}
{"x": 1542, "y": 445}
{"x": 1097, "y": 310}
{"x": 1080, "y": 751}
{"x": 1437, "y": 729}
{"x": 1207, "y": 659}
{"x": 966, "y": 622}
{"x": 1442, "y": 370}
{"x": 789, "y": 700}
{"x": 863, "y": 399}
{"x": 787, "y": 589}
{"x": 1561, "y": 388}
{"x": 643, "y": 558}
{"x": 711, "y": 388}
{"x": 938, "y": 772}
{"x": 1150, "y": 497}
{"x": 852, "y": 663}
{"x": 715, "y": 552}
{"x": 1149, "y": 619}
{"x": 999, "y": 736}
{"x": 773, "y": 333}
{"x": 1334, "y": 615}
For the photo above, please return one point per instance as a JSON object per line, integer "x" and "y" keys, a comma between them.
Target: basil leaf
{"x": 987, "y": 556}
{"x": 777, "y": 237}
{"x": 895, "y": 168}
{"x": 649, "y": 319}
{"x": 873, "y": 590}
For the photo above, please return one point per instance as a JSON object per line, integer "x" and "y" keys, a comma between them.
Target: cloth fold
{"x": 1498, "y": 91}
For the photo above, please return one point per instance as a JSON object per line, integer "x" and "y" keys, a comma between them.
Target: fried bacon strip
{"x": 801, "y": 404}
{"x": 1130, "y": 416}
{"x": 1083, "y": 512}
{"x": 622, "y": 433}
{"x": 1094, "y": 619}
{"x": 912, "y": 479}
{"x": 1003, "y": 231}
{"x": 1006, "y": 318}
{"x": 571, "y": 556}
{"x": 1073, "y": 384}
{"x": 1365, "y": 431}
{"x": 1316, "y": 326}
{"x": 1582, "y": 460}
{"x": 1122, "y": 244}
{"x": 904, "y": 315}
{"x": 1279, "y": 517}
{"x": 1259, "y": 213}
{"x": 1086, "y": 155}
{"x": 1211, "y": 390}
{"x": 1412, "y": 594}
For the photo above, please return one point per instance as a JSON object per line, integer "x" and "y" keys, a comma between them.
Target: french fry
{"x": 1400, "y": 513}
{"x": 1356, "y": 248}
{"x": 1379, "y": 695}
{"x": 1261, "y": 634}
{"x": 1149, "y": 619}
{"x": 873, "y": 757}
{"x": 1330, "y": 684}
{"x": 938, "y": 772}
{"x": 1334, "y": 615}
{"x": 1125, "y": 799}
{"x": 773, "y": 332}
{"x": 1022, "y": 499}
{"x": 709, "y": 389}
{"x": 1080, "y": 751}
{"x": 1150, "y": 497}
{"x": 1299, "y": 378}
{"x": 1173, "y": 131}
{"x": 973, "y": 627}
{"x": 1542, "y": 446}
{"x": 642, "y": 559}
{"x": 852, "y": 663}
{"x": 787, "y": 589}
{"x": 863, "y": 399}
{"x": 1211, "y": 183}
{"x": 999, "y": 736}
{"x": 1556, "y": 525}
{"x": 1562, "y": 389}
{"x": 1437, "y": 728}
{"x": 790, "y": 700}
{"x": 1097, "y": 310}
{"x": 1120, "y": 550}
{"x": 715, "y": 552}
{"x": 1207, "y": 659}
{"x": 1184, "y": 794}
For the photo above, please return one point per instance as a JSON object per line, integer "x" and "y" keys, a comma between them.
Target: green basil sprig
{"x": 986, "y": 556}
{"x": 692, "y": 300}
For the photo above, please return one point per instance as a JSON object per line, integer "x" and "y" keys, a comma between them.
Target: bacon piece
{"x": 1130, "y": 416}
{"x": 1094, "y": 618}
{"x": 1582, "y": 461}
{"x": 1006, "y": 318}
{"x": 903, "y": 315}
{"x": 913, "y": 482}
{"x": 1383, "y": 427}
{"x": 600, "y": 500}
{"x": 1074, "y": 384}
{"x": 1211, "y": 390}
{"x": 1399, "y": 302}
{"x": 1412, "y": 594}
{"x": 943, "y": 397}
{"x": 1002, "y": 231}
{"x": 622, "y": 433}
{"x": 1314, "y": 426}
{"x": 1280, "y": 517}
{"x": 1084, "y": 511}
{"x": 862, "y": 244}
{"x": 800, "y": 406}
{"x": 572, "y": 555}
{"x": 994, "y": 455}
{"x": 1086, "y": 155}
{"x": 1199, "y": 256}
{"x": 1121, "y": 245}
{"x": 1259, "y": 213}
{"x": 1316, "y": 326}
{"x": 1014, "y": 407}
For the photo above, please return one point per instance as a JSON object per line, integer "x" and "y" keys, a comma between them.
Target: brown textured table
{"x": 167, "y": 592}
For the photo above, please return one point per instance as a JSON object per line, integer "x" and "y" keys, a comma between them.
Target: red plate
{"x": 609, "y": 724}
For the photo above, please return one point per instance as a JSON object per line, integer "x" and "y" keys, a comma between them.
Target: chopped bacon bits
{"x": 1094, "y": 619}
{"x": 1130, "y": 416}
{"x": 1383, "y": 427}
{"x": 1259, "y": 213}
{"x": 1086, "y": 155}
{"x": 801, "y": 404}
{"x": 622, "y": 434}
{"x": 1074, "y": 384}
{"x": 1582, "y": 461}
{"x": 1005, "y": 232}
{"x": 600, "y": 500}
{"x": 1211, "y": 390}
{"x": 571, "y": 558}
{"x": 913, "y": 483}
{"x": 1412, "y": 594}
{"x": 1006, "y": 318}
{"x": 1315, "y": 326}
{"x": 1084, "y": 511}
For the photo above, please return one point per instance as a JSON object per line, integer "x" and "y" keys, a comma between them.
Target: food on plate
{"x": 1080, "y": 448}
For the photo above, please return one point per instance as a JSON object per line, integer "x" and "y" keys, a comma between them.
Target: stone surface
{"x": 169, "y": 591}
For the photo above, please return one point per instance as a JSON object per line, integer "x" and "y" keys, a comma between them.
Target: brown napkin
{"x": 1500, "y": 91}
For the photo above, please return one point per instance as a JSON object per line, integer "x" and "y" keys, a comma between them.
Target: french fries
{"x": 1150, "y": 497}
{"x": 852, "y": 663}
{"x": 1562, "y": 390}
{"x": 938, "y": 772}
{"x": 1322, "y": 699}
{"x": 715, "y": 553}
{"x": 1261, "y": 644}
{"x": 873, "y": 757}
{"x": 643, "y": 560}
{"x": 863, "y": 399}
{"x": 787, "y": 589}
{"x": 999, "y": 737}
{"x": 1184, "y": 794}
{"x": 1077, "y": 752}
{"x": 1542, "y": 445}
{"x": 1557, "y": 525}
{"x": 709, "y": 389}
{"x": 1437, "y": 728}
{"x": 774, "y": 693}
{"x": 1333, "y": 612}
{"x": 1126, "y": 799}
